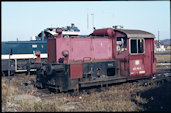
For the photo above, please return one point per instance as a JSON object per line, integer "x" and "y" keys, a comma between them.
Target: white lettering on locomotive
{"x": 141, "y": 72}
{"x": 137, "y": 62}
{"x": 136, "y": 68}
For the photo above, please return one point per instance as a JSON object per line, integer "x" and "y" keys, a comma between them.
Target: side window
{"x": 133, "y": 46}
{"x": 137, "y": 46}
{"x": 121, "y": 44}
{"x": 140, "y": 46}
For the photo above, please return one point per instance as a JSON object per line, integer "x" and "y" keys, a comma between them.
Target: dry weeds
{"x": 112, "y": 98}
{"x": 163, "y": 58}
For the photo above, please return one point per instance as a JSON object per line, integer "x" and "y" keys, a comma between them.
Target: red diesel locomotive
{"x": 106, "y": 56}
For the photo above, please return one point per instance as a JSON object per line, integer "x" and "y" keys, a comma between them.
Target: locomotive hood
{"x": 103, "y": 32}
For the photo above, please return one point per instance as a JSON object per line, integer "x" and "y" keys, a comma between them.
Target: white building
{"x": 158, "y": 46}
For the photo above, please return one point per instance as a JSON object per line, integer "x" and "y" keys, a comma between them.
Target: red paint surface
{"x": 75, "y": 71}
{"x": 38, "y": 59}
{"x": 147, "y": 62}
{"x": 81, "y": 48}
{"x": 123, "y": 68}
{"x": 148, "y": 57}
{"x": 102, "y": 48}
{"x": 51, "y": 50}
{"x": 136, "y": 67}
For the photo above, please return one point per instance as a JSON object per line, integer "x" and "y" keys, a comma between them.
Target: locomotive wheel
{"x": 49, "y": 69}
{"x": 5, "y": 73}
{"x": 39, "y": 79}
{"x": 40, "y": 85}
{"x": 76, "y": 91}
{"x": 28, "y": 69}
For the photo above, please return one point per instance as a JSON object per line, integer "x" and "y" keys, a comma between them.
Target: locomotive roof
{"x": 136, "y": 33}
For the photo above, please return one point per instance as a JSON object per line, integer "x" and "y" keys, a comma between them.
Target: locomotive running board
{"x": 101, "y": 81}
{"x": 110, "y": 80}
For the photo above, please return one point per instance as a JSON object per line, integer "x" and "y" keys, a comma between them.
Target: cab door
{"x": 149, "y": 57}
{"x": 122, "y": 54}
{"x": 136, "y": 57}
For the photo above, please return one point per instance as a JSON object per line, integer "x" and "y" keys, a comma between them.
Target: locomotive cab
{"x": 135, "y": 51}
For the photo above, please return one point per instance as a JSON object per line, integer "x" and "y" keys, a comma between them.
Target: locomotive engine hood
{"x": 104, "y": 32}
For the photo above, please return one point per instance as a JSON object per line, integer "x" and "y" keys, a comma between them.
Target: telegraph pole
{"x": 158, "y": 40}
{"x": 92, "y": 19}
{"x": 87, "y": 21}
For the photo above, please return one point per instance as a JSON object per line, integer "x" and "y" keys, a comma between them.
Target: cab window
{"x": 121, "y": 44}
{"x": 137, "y": 46}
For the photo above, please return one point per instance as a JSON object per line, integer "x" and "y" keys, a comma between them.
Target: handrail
{"x": 85, "y": 58}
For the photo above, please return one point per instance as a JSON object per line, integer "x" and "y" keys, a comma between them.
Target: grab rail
{"x": 87, "y": 57}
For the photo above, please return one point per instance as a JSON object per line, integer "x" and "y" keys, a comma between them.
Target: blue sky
{"x": 25, "y": 19}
